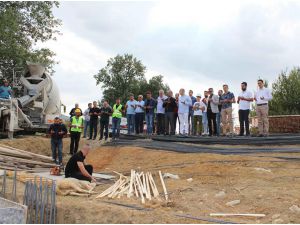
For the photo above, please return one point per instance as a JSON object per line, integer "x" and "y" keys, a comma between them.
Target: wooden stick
{"x": 238, "y": 214}
{"x": 163, "y": 185}
{"x": 108, "y": 190}
{"x": 148, "y": 193}
{"x": 138, "y": 181}
{"x": 121, "y": 175}
{"x": 116, "y": 188}
{"x": 130, "y": 190}
{"x": 144, "y": 184}
{"x": 135, "y": 187}
{"x": 155, "y": 191}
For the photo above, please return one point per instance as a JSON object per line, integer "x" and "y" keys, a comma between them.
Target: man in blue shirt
{"x": 130, "y": 113}
{"x": 5, "y": 90}
{"x": 226, "y": 114}
{"x": 139, "y": 115}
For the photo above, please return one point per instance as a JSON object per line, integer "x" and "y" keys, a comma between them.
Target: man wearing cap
{"x": 5, "y": 90}
{"x": 57, "y": 130}
{"x": 76, "y": 168}
{"x": 198, "y": 108}
{"x": 244, "y": 99}
{"x": 262, "y": 97}
{"x": 75, "y": 131}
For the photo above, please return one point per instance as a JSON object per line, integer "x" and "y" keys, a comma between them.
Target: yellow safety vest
{"x": 117, "y": 111}
{"x": 78, "y": 123}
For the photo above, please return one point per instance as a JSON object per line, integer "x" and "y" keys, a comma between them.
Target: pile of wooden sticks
{"x": 139, "y": 184}
{"x": 11, "y": 158}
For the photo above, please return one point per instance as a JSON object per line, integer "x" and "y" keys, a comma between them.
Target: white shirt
{"x": 245, "y": 105}
{"x": 184, "y": 104}
{"x": 160, "y": 101}
{"x": 86, "y": 114}
{"x": 198, "y": 111}
{"x": 264, "y": 92}
{"x": 139, "y": 109}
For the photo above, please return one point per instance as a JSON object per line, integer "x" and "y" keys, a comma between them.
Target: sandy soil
{"x": 271, "y": 193}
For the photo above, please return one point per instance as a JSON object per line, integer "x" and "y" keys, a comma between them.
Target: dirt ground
{"x": 270, "y": 192}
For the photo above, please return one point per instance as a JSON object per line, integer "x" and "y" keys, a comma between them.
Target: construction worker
{"x": 57, "y": 130}
{"x": 116, "y": 118}
{"x": 5, "y": 90}
{"x": 76, "y": 127}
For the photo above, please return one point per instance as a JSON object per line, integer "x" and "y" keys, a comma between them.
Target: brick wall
{"x": 282, "y": 124}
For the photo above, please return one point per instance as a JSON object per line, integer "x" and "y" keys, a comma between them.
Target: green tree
{"x": 286, "y": 92}
{"x": 22, "y": 25}
{"x": 125, "y": 74}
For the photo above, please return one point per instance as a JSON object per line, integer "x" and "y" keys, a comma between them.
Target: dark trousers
{"x": 244, "y": 121}
{"x": 116, "y": 123}
{"x": 212, "y": 122}
{"x": 175, "y": 121}
{"x": 75, "y": 138}
{"x": 139, "y": 123}
{"x": 93, "y": 128}
{"x": 169, "y": 123}
{"x": 160, "y": 123}
{"x": 57, "y": 144}
{"x": 104, "y": 125}
{"x": 78, "y": 175}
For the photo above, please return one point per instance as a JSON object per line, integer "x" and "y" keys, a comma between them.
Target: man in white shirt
{"x": 86, "y": 115}
{"x": 198, "y": 108}
{"x": 160, "y": 113}
{"x": 130, "y": 114}
{"x": 262, "y": 97}
{"x": 184, "y": 103}
{"x": 139, "y": 115}
{"x": 244, "y": 99}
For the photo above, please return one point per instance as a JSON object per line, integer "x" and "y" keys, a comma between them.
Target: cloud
{"x": 194, "y": 44}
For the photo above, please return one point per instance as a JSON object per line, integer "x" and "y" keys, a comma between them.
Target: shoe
{"x": 260, "y": 135}
{"x": 94, "y": 138}
{"x": 90, "y": 139}
{"x": 100, "y": 139}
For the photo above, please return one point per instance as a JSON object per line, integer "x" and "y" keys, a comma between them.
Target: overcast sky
{"x": 193, "y": 44}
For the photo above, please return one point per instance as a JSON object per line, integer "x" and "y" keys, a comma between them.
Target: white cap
{"x": 198, "y": 95}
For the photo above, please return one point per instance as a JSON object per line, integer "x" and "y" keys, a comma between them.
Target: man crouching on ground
{"x": 75, "y": 167}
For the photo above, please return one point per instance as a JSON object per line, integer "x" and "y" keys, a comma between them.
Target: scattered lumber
{"x": 238, "y": 214}
{"x": 140, "y": 185}
{"x": 11, "y": 158}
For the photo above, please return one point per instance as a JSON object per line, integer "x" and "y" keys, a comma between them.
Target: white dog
{"x": 72, "y": 186}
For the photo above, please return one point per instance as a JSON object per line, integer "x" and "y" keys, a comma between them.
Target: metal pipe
{"x": 14, "y": 189}
{"x": 3, "y": 184}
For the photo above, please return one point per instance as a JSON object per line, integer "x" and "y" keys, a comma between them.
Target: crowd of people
{"x": 207, "y": 115}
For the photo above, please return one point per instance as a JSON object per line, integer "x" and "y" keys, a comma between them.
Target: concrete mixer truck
{"x": 35, "y": 105}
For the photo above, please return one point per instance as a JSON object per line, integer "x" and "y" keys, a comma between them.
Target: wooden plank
{"x": 163, "y": 185}
{"x": 148, "y": 194}
{"x": 26, "y": 161}
{"x": 22, "y": 153}
{"x": 138, "y": 181}
{"x": 238, "y": 214}
{"x": 155, "y": 191}
{"x": 130, "y": 190}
